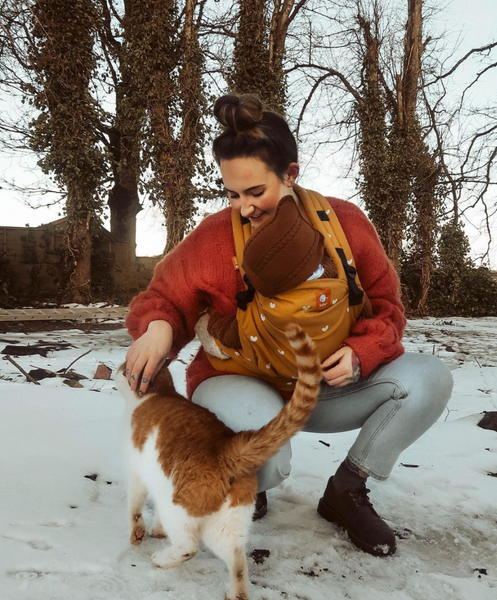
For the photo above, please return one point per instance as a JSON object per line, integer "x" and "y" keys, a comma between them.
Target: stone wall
{"x": 31, "y": 265}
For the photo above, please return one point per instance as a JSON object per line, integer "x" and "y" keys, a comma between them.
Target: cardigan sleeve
{"x": 377, "y": 340}
{"x": 184, "y": 283}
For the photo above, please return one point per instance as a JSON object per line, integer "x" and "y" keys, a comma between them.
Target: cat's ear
{"x": 162, "y": 381}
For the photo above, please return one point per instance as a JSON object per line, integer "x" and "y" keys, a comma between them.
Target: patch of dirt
{"x": 34, "y": 326}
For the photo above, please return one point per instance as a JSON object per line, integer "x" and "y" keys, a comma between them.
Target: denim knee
{"x": 432, "y": 378}
{"x": 276, "y": 469}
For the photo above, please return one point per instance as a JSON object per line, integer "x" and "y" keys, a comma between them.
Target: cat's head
{"x": 162, "y": 384}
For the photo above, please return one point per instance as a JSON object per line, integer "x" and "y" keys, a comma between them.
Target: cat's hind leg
{"x": 226, "y": 534}
{"x": 183, "y": 533}
{"x": 137, "y": 494}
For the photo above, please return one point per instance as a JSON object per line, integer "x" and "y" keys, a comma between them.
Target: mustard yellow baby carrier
{"x": 325, "y": 308}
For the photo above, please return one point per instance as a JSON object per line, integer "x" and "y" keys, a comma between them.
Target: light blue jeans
{"x": 392, "y": 408}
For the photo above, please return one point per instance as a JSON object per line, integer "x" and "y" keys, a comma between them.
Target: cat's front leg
{"x": 137, "y": 494}
{"x": 157, "y": 530}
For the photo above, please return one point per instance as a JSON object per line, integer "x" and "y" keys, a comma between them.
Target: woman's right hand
{"x": 148, "y": 353}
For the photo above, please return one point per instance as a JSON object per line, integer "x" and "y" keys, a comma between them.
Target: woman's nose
{"x": 246, "y": 208}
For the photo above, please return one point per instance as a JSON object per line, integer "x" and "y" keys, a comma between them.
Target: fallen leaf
{"x": 72, "y": 375}
{"x": 39, "y": 374}
{"x": 102, "y": 372}
{"x": 72, "y": 383}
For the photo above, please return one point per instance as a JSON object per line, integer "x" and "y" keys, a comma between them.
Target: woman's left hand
{"x": 345, "y": 368}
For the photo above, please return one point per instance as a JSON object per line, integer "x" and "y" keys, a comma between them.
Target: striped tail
{"x": 247, "y": 451}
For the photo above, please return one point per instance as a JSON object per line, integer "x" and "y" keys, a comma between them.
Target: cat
{"x": 201, "y": 475}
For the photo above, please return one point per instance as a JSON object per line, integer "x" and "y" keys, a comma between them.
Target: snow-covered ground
{"x": 64, "y": 535}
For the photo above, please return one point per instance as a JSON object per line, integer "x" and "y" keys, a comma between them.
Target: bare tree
{"x": 166, "y": 69}
{"x": 63, "y": 61}
{"x": 122, "y": 135}
{"x": 373, "y": 73}
{"x": 259, "y": 51}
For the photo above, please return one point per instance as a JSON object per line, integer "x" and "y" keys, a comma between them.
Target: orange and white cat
{"x": 201, "y": 475}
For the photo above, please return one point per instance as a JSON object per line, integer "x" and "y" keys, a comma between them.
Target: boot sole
{"x": 331, "y": 516}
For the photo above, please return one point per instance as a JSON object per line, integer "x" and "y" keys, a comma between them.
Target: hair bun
{"x": 239, "y": 113}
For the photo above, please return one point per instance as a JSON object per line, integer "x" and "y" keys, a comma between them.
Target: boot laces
{"x": 360, "y": 497}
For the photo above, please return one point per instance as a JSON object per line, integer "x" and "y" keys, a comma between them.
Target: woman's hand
{"x": 345, "y": 368}
{"x": 148, "y": 353}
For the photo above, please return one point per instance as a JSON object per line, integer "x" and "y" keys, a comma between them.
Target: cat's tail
{"x": 247, "y": 451}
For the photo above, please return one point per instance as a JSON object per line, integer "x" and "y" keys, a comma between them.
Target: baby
{"x": 280, "y": 255}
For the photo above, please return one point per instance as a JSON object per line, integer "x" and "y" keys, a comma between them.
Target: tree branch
{"x": 462, "y": 60}
{"x": 330, "y": 73}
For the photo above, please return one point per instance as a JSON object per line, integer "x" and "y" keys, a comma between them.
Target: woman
{"x": 369, "y": 382}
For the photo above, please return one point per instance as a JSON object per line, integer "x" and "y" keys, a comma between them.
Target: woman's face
{"x": 255, "y": 190}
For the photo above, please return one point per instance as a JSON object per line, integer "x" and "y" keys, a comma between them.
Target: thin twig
{"x": 27, "y": 375}
{"x": 76, "y": 359}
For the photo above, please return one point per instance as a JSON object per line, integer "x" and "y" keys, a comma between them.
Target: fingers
{"x": 334, "y": 358}
{"x": 135, "y": 371}
{"x": 151, "y": 369}
{"x": 141, "y": 369}
{"x": 341, "y": 369}
{"x": 335, "y": 378}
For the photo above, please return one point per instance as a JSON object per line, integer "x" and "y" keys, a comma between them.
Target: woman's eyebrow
{"x": 247, "y": 190}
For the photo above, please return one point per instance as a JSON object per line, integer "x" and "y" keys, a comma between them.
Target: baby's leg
{"x": 137, "y": 494}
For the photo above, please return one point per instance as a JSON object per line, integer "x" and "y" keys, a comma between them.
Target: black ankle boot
{"x": 260, "y": 506}
{"x": 352, "y": 511}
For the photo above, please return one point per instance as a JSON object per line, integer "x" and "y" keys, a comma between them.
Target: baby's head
{"x": 284, "y": 252}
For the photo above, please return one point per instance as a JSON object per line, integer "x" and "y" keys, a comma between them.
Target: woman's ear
{"x": 291, "y": 175}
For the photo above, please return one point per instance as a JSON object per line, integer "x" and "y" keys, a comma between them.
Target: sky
{"x": 475, "y": 21}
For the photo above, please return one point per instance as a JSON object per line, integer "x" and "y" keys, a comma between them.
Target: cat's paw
{"x": 138, "y": 534}
{"x": 172, "y": 556}
{"x": 162, "y": 559}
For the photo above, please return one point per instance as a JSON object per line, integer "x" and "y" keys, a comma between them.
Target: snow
{"x": 63, "y": 535}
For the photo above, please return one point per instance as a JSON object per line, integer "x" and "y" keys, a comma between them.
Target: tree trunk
{"x": 386, "y": 209}
{"x": 78, "y": 245}
{"x": 125, "y": 136}
{"x": 179, "y": 195}
{"x": 420, "y": 164}
{"x": 252, "y": 68}
{"x": 413, "y": 49}
{"x": 124, "y": 202}
{"x": 124, "y": 205}
{"x": 63, "y": 61}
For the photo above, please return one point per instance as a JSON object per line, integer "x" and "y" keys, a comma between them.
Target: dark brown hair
{"x": 251, "y": 130}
